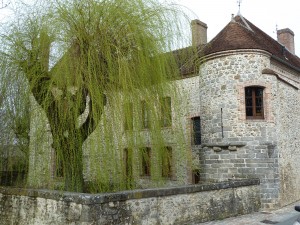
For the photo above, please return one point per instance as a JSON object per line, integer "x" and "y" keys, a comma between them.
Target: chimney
{"x": 286, "y": 38}
{"x": 199, "y": 32}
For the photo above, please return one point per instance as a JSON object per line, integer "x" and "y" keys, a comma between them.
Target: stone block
{"x": 237, "y": 160}
{"x": 217, "y": 149}
{"x": 246, "y": 170}
{"x": 214, "y": 156}
{"x": 232, "y": 148}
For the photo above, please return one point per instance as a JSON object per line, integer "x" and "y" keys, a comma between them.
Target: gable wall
{"x": 288, "y": 133}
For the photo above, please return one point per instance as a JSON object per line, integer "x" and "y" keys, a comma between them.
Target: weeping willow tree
{"x": 14, "y": 126}
{"x": 85, "y": 62}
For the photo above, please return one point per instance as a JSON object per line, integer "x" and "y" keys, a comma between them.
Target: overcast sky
{"x": 265, "y": 14}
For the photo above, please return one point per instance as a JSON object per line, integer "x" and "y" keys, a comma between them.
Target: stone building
{"x": 249, "y": 103}
{"x": 239, "y": 113}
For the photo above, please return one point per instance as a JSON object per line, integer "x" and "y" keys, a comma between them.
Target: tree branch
{"x": 91, "y": 122}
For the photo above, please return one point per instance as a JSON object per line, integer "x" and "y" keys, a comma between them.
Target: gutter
{"x": 285, "y": 63}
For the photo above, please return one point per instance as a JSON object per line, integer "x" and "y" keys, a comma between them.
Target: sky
{"x": 268, "y": 15}
{"x": 265, "y": 14}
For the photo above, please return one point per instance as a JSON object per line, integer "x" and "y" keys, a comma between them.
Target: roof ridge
{"x": 246, "y": 25}
{"x": 242, "y": 34}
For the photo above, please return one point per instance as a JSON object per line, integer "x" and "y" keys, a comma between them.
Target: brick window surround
{"x": 267, "y": 98}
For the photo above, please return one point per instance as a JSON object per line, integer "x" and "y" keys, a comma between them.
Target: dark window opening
{"x": 254, "y": 102}
{"x": 196, "y": 130}
{"x": 196, "y": 176}
{"x": 128, "y": 111}
{"x": 167, "y": 162}
{"x": 59, "y": 167}
{"x": 145, "y": 115}
{"x": 166, "y": 112}
{"x": 128, "y": 163}
{"x": 146, "y": 161}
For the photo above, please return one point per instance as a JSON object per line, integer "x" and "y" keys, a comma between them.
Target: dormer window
{"x": 254, "y": 102}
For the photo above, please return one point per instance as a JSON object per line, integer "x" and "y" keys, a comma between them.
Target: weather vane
{"x": 239, "y": 4}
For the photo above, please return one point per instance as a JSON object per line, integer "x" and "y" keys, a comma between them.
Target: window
{"x": 166, "y": 112}
{"x": 196, "y": 176}
{"x": 128, "y": 163}
{"x": 145, "y": 161}
{"x": 254, "y": 102}
{"x": 59, "y": 167}
{"x": 128, "y": 111}
{"x": 145, "y": 115}
{"x": 167, "y": 162}
{"x": 196, "y": 130}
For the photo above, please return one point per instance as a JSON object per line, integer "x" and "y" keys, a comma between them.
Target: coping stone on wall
{"x": 87, "y": 199}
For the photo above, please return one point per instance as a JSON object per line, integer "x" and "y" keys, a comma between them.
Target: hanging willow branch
{"x": 87, "y": 59}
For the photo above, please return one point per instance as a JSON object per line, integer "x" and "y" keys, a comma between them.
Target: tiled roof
{"x": 238, "y": 34}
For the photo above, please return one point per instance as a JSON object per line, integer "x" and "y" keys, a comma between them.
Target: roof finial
{"x": 239, "y": 5}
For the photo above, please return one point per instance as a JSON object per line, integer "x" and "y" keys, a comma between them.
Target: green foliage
{"x": 85, "y": 62}
{"x": 14, "y": 125}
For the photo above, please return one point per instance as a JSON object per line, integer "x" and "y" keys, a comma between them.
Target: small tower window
{"x": 254, "y": 102}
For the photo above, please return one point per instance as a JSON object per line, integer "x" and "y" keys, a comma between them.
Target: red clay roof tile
{"x": 236, "y": 35}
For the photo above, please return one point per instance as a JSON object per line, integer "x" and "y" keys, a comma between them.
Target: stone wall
{"x": 234, "y": 160}
{"x": 288, "y": 133}
{"x": 180, "y": 205}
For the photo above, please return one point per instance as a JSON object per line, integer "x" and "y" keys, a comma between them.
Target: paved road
{"x": 283, "y": 216}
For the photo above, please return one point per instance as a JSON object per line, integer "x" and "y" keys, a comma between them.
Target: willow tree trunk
{"x": 68, "y": 138}
{"x": 70, "y": 149}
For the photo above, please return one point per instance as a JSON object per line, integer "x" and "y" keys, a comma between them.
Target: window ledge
{"x": 256, "y": 120}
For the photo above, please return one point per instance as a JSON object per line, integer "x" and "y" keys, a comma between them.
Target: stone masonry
{"x": 180, "y": 205}
{"x": 234, "y": 147}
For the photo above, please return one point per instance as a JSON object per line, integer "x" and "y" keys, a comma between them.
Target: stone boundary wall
{"x": 179, "y": 205}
